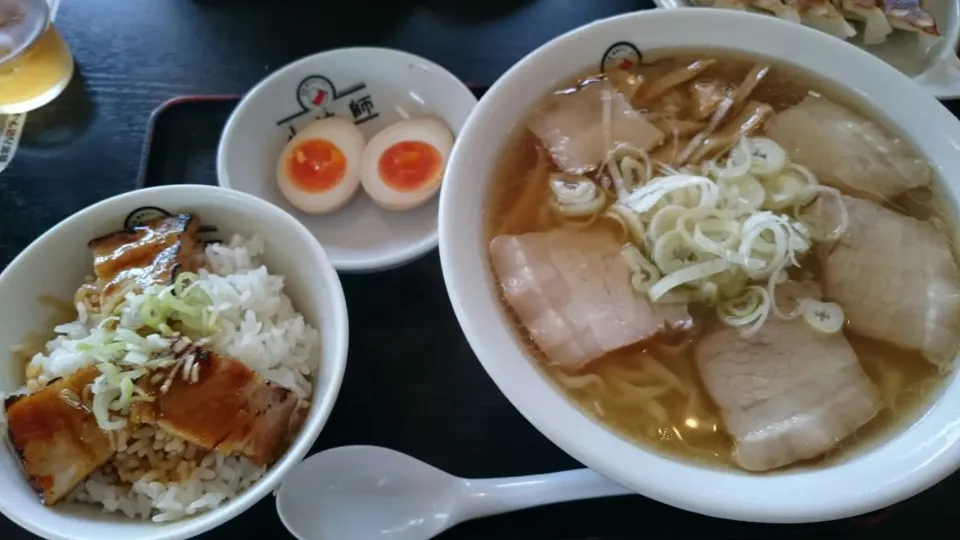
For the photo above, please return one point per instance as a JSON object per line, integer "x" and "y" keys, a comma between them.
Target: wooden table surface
{"x": 412, "y": 382}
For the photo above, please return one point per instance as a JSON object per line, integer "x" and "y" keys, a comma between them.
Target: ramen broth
{"x": 651, "y": 391}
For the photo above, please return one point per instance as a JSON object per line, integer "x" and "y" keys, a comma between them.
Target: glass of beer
{"x": 35, "y": 62}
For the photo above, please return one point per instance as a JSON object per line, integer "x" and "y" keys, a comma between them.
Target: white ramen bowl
{"x": 373, "y": 87}
{"x": 56, "y": 263}
{"x": 932, "y": 63}
{"x": 924, "y": 453}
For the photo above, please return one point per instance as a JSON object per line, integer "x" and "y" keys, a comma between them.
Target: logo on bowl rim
{"x": 620, "y": 55}
{"x": 316, "y": 94}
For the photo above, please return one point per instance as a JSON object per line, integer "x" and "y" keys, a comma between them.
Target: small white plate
{"x": 375, "y": 88}
{"x": 932, "y": 63}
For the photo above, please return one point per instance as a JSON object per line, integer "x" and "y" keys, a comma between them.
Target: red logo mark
{"x": 318, "y": 99}
{"x": 625, "y": 64}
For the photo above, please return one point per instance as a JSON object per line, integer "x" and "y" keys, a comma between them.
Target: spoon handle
{"x": 499, "y": 495}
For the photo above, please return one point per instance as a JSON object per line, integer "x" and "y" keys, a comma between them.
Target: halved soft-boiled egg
{"x": 403, "y": 165}
{"x": 319, "y": 169}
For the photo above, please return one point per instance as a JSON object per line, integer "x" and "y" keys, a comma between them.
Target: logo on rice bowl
{"x": 620, "y": 55}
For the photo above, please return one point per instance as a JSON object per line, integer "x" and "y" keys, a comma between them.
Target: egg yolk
{"x": 316, "y": 165}
{"x": 409, "y": 165}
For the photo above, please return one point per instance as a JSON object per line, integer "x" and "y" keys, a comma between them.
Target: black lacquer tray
{"x": 413, "y": 384}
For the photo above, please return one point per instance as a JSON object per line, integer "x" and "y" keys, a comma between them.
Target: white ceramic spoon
{"x": 368, "y": 492}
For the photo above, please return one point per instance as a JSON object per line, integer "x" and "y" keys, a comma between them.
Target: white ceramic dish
{"x": 923, "y": 454}
{"x": 361, "y": 236}
{"x": 56, "y": 263}
{"x": 932, "y": 63}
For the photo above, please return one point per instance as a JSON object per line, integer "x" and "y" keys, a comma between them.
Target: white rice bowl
{"x": 280, "y": 311}
{"x": 257, "y": 325}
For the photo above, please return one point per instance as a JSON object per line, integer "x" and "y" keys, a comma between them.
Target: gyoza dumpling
{"x": 778, "y": 8}
{"x": 822, "y": 15}
{"x": 739, "y": 5}
{"x": 909, "y": 15}
{"x": 876, "y": 28}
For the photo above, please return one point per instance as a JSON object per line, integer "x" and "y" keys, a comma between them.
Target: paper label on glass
{"x": 12, "y": 125}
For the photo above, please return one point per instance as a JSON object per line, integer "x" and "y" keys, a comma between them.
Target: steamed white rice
{"x": 156, "y": 475}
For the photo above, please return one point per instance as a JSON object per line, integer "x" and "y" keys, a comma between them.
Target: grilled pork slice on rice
{"x": 145, "y": 255}
{"x": 218, "y": 403}
{"x": 56, "y": 435}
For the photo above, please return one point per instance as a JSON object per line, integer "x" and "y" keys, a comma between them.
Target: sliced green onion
{"x": 635, "y": 173}
{"x": 135, "y": 358}
{"x": 184, "y": 280}
{"x": 720, "y": 233}
{"x": 111, "y": 372}
{"x": 776, "y": 278}
{"x": 750, "y": 308}
{"x": 827, "y": 317}
{"x": 175, "y": 303}
{"x": 741, "y": 310}
{"x": 152, "y": 312}
{"x": 647, "y": 196}
{"x": 725, "y": 236}
{"x": 671, "y": 252}
{"x": 664, "y": 221}
{"x": 782, "y": 191}
{"x": 686, "y": 275}
{"x": 576, "y": 196}
{"x": 126, "y": 393}
{"x": 104, "y": 353}
{"x": 717, "y": 221}
{"x": 109, "y": 322}
{"x": 101, "y": 410}
{"x": 731, "y": 283}
{"x": 753, "y": 228}
{"x": 643, "y": 274}
{"x": 118, "y": 299}
{"x": 629, "y": 220}
{"x": 709, "y": 291}
{"x": 767, "y": 157}
{"x": 737, "y": 163}
{"x": 743, "y": 194}
{"x": 130, "y": 337}
{"x": 818, "y": 230}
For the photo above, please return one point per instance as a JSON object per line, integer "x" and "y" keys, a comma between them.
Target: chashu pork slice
{"x": 846, "y": 150}
{"x": 897, "y": 281}
{"x": 145, "y": 255}
{"x": 571, "y": 291}
{"x": 570, "y": 126}
{"x": 229, "y": 408}
{"x": 56, "y": 436}
{"x": 787, "y": 393}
